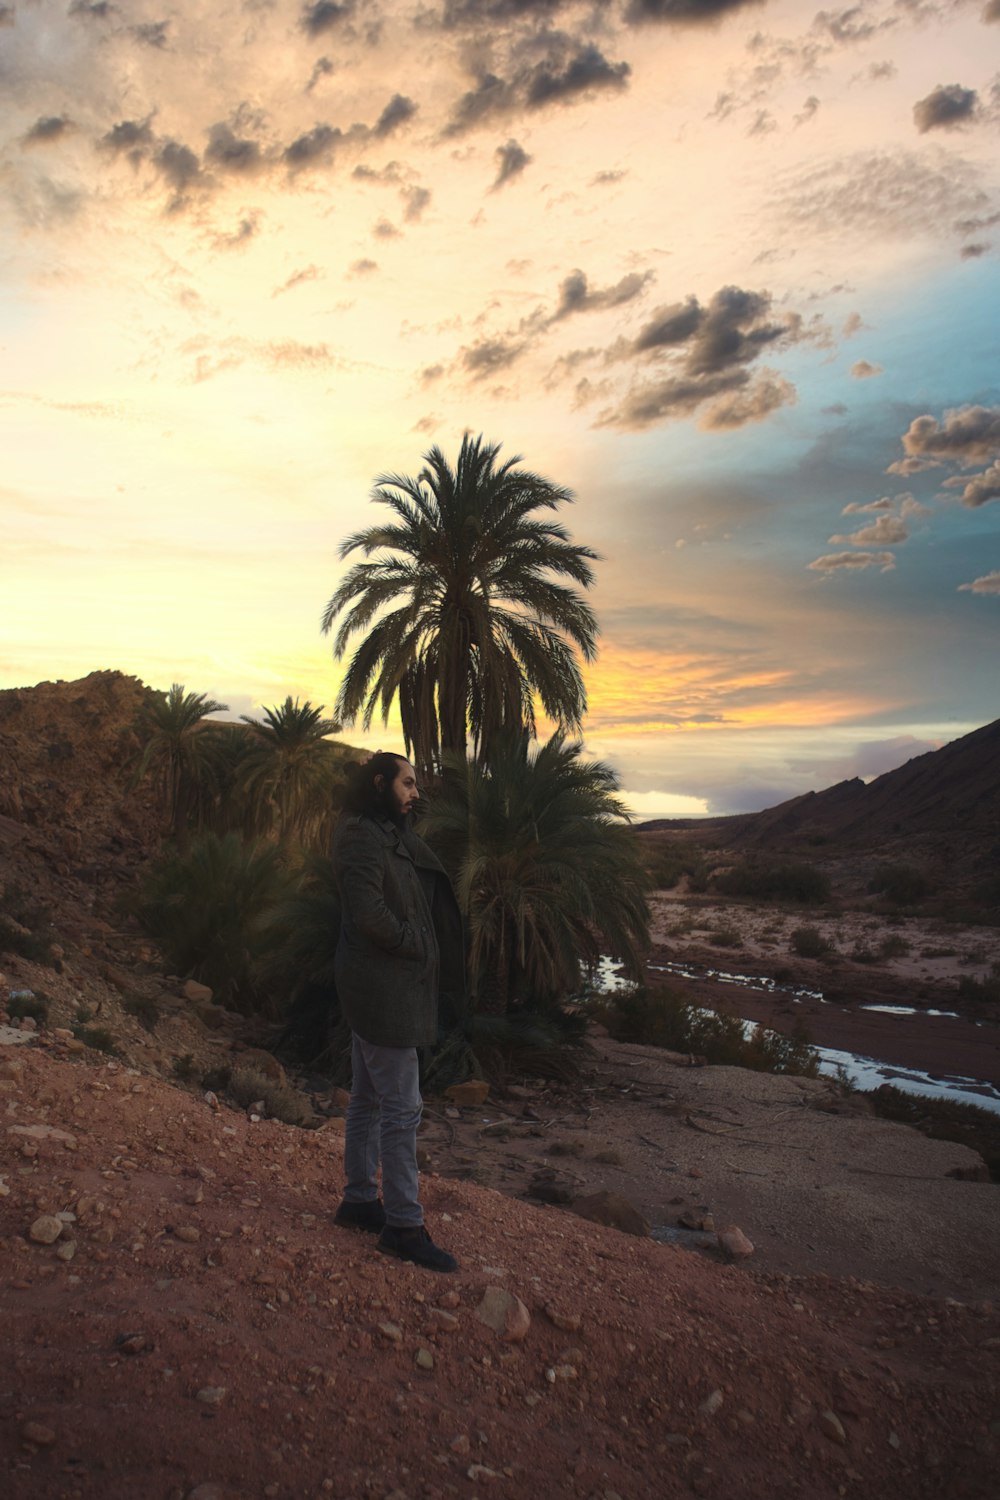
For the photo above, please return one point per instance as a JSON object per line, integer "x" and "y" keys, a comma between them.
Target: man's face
{"x": 404, "y": 792}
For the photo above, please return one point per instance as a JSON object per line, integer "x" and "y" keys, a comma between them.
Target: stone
{"x": 188, "y": 1233}
{"x": 505, "y": 1313}
{"x": 565, "y": 1322}
{"x": 832, "y": 1426}
{"x": 472, "y": 1093}
{"x": 734, "y": 1242}
{"x": 38, "y": 1435}
{"x": 392, "y": 1332}
{"x": 440, "y": 1319}
{"x": 613, "y": 1210}
{"x": 46, "y": 1229}
{"x": 212, "y": 1395}
{"x": 711, "y": 1404}
{"x": 424, "y": 1359}
{"x": 199, "y": 993}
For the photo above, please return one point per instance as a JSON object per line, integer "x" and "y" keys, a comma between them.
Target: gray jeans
{"x": 382, "y": 1120}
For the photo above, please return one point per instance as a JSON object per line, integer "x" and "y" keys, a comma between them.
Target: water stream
{"x": 866, "y": 1073}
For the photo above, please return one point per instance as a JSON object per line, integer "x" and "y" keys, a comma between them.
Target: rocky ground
{"x": 183, "y": 1321}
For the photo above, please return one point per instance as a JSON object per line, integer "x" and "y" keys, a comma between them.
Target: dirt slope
{"x": 202, "y": 1330}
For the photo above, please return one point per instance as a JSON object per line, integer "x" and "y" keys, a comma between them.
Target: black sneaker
{"x": 369, "y": 1215}
{"x": 416, "y": 1245}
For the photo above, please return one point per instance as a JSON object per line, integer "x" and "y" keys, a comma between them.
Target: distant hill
{"x": 944, "y": 805}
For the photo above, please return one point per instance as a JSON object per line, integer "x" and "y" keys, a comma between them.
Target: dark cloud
{"x": 178, "y": 164}
{"x": 975, "y": 250}
{"x": 396, "y": 113}
{"x": 8, "y": 15}
{"x": 966, "y": 437}
{"x": 317, "y": 145}
{"x": 324, "y": 16}
{"x": 569, "y": 71}
{"x": 512, "y": 160}
{"x": 844, "y": 26}
{"x": 863, "y": 369}
{"x": 476, "y": 13}
{"x": 754, "y": 403}
{"x": 491, "y": 355}
{"x": 991, "y": 12}
{"x": 130, "y": 137}
{"x": 322, "y": 68}
{"x": 384, "y": 230}
{"x": 152, "y": 33}
{"x": 232, "y": 153}
{"x": 835, "y": 562}
{"x": 47, "y": 128}
{"x": 673, "y": 396}
{"x": 605, "y": 179}
{"x": 430, "y": 374}
{"x": 978, "y": 489}
{"x": 671, "y": 325}
{"x": 732, "y": 330}
{"x": 415, "y": 200}
{"x": 763, "y": 123}
{"x": 945, "y": 107}
{"x": 97, "y": 10}
{"x": 683, "y": 12}
{"x": 244, "y": 232}
{"x": 576, "y": 295}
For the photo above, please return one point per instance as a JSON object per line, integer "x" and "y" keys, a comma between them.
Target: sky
{"x": 726, "y": 269}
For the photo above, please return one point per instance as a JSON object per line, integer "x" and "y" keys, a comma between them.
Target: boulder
{"x": 472, "y": 1093}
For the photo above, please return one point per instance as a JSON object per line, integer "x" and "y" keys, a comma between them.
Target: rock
{"x": 46, "y": 1229}
{"x": 212, "y": 1395}
{"x": 550, "y": 1192}
{"x": 450, "y": 1300}
{"x": 188, "y": 1233}
{"x": 611, "y": 1209}
{"x": 505, "y": 1314}
{"x": 472, "y": 1093}
{"x": 199, "y": 993}
{"x": 460, "y": 1444}
{"x": 831, "y": 1424}
{"x": 566, "y": 1322}
{"x": 734, "y": 1242}
{"x": 43, "y": 1133}
{"x": 392, "y": 1332}
{"x": 445, "y": 1321}
{"x": 38, "y": 1435}
{"x": 711, "y": 1404}
{"x": 424, "y": 1359}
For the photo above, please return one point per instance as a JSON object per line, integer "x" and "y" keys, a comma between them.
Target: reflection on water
{"x": 866, "y": 1073}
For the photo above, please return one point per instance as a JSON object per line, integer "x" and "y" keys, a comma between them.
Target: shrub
{"x": 660, "y": 1018}
{"x": 183, "y": 1068}
{"x": 246, "y": 1086}
{"x": 980, "y": 991}
{"x": 208, "y": 911}
{"x": 893, "y": 946}
{"x": 34, "y": 1005}
{"x": 144, "y": 1008}
{"x": 25, "y": 925}
{"x": 98, "y": 1037}
{"x": 809, "y": 942}
{"x": 666, "y": 863}
{"x": 787, "y": 882}
{"x": 725, "y": 937}
{"x": 903, "y": 885}
{"x": 944, "y": 1120}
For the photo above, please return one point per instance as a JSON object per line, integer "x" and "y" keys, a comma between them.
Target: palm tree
{"x": 181, "y": 750}
{"x": 290, "y": 773}
{"x": 460, "y": 606}
{"x": 547, "y": 872}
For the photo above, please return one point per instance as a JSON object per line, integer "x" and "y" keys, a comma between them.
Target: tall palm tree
{"x": 180, "y": 749}
{"x": 546, "y": 869}
{"x": 461, "y": 608}
{"x": 289, "y": 773}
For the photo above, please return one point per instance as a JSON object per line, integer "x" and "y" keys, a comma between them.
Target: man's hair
{"x": 363, "y": 796}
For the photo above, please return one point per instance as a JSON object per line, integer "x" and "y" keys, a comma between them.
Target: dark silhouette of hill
{"x": 941, "y": 806}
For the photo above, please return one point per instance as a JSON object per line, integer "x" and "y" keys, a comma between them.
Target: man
{"x": 400, "y": 934}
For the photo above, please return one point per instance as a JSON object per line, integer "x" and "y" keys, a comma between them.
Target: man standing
{"x": 400, "y": 944}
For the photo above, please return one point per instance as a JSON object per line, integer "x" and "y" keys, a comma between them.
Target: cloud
{"x": 179, "y": 165}
{"x": 575, "y": 295}
{"x": 316, "y": 145}
{"x": 808, "y": 110}
{"x": 871, "y": 195}
{"x": 512, "y": 160}
{"x": 754, "y": 403}
{"x": 683, "y": 12}
{"x": 231, "y": 153}
{"x": 945, "y": 107}
{"x": 241, "y": 235}
{"x": 856, "y": 508}
{"x": 991, "y": 12}
{"x": 975, "y": 250}
{"x": 46, "y": 129}
{"x": 133, "y": 138}
{"x": 324, "y": 16}
{"x": 322, "y": 68}
{"x": 989, "y": 583}
{"x": 364, "y": 267}
{"x": 151, "y": 34}
{"x": 606, "y": 179}
{"x": 731, "y": 330}
{"x": 978, "y": 489}
{"x": 967, "y": 436}
{"x": 415, "y": 200}
{"x": 887, "y": 531}
{"x": 396, "y": 113}
{"x": 491, "y": 355}
{"x": 570, "y": 71}
{"x": 863, "y": 369}
{"x": 385, "y": 230}
{"x": 835, "y": 562}
{"x": 298, "y": 278}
